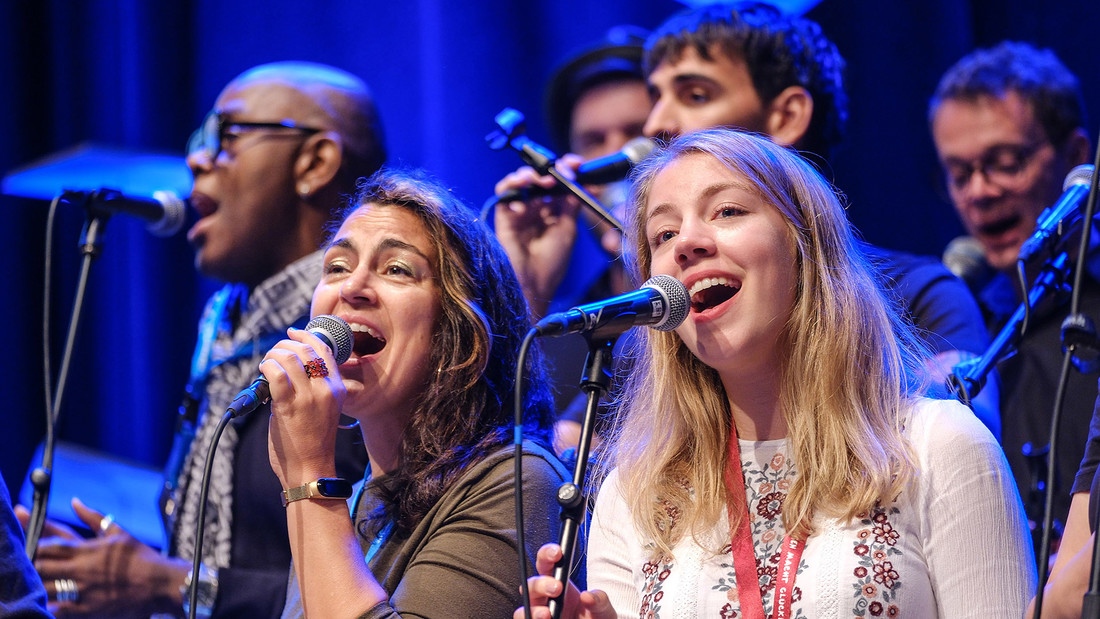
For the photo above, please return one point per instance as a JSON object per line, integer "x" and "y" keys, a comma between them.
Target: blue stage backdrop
{"x": 141, "y": 75}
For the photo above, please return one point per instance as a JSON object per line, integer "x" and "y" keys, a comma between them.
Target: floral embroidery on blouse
{"x": 766, "y": 488}
{"x": 877, "y": 582}
{"x": 655, "y": 574}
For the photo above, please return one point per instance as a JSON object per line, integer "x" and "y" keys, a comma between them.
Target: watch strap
{"x": 323, "y": 488}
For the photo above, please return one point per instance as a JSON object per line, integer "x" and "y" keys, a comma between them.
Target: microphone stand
{"x": 510, "y": 133}
{"x": 968, "y": 377}
{"x": 1079, "y": 327}
{"x": 41, "y": 477}
{"x": 595, "y": 382}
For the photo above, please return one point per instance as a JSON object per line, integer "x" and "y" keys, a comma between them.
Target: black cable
{"x": 1021, "y": 278}
{"x": 521, "y": 364}
{"x": 1048, "y": 495}
{"x": 193, "y": 590}
{"x": 47, "y": 269}
{"x": 41, "y": 476}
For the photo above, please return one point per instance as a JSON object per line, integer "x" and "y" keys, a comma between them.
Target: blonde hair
{"x": 850, "y": 371}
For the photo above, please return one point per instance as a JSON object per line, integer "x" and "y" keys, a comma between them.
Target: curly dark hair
{"x": 779, "y": 50}
{"x": 465, "y": 413}
{"x": 1035, "y": 74}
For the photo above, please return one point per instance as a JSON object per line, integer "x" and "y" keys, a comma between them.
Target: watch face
{"x": 334, "y": 487}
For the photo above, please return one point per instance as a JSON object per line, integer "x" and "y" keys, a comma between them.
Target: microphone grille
{"x": 175, "y": 212}
{"x": 676, "y": 298}
{"x": 334, "y": 332}
{"x": 1080, "y": 175}
{"x": 965, "y": 258}
{"x": 639, "y": 148}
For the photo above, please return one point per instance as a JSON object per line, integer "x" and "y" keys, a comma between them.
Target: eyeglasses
{"x": 1002, "y": 165}
{"x": 216, "y": 132}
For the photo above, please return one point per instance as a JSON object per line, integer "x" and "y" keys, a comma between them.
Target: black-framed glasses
{"x": 216, "y": 131}
{"x": 1001, "y": 165}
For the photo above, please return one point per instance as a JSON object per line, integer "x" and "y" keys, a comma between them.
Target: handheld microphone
{"x": 1049, "y": 227}
{"x": 332, "y": 330}
{"x": 164, "y": 213}
{"x": 662, "y": 303}
{"x": 598, "y": 171}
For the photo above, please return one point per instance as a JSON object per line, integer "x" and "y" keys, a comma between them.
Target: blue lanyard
{"x": 384, "y": 534}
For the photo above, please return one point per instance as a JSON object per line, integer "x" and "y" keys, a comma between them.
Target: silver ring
{"x": 105, "y": 523}
{"x": 66, "y": 590}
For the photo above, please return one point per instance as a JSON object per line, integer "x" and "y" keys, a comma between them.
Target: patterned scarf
{"x": 232, "y": 359}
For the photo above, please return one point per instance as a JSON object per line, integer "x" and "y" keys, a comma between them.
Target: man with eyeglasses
{"x": 272, "y": 162}
{"x": 1007, "y": 123}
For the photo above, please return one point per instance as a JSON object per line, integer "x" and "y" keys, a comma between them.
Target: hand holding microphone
{"x": 333, "y": 333}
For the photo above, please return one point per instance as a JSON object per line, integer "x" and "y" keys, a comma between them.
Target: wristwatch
{"x": 324, "y": 488}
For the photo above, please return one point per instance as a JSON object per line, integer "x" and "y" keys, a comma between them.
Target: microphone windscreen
{"x": 676, "y": 294}
{"x": 1080, "y": 175}
{"x": 335, "y": 332}
{"x": 638, "y": 149}
{"x": 964, "y": 257}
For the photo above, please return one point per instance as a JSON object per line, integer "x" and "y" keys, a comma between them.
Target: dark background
{"x": 142, "y": 75}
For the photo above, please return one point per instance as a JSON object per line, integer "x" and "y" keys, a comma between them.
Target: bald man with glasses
{"x": 271, "y": 163}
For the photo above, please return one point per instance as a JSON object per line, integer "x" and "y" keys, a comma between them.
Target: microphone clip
{"x": 1080, "y": 339}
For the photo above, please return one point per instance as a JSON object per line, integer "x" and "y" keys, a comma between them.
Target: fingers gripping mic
{"x": 164, "y": 213}
{"x": 331, "y": 330}
{"x": 1049, "y": 227}
{"x": 601, "y": 171}
{"x": 661, "y": 303}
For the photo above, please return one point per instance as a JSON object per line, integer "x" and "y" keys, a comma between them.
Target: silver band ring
{"x": 66, "y": 590}
{"x": 105, "y": 523}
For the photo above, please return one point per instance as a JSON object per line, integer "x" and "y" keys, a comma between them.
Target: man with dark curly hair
{"x": 751, "y": 67}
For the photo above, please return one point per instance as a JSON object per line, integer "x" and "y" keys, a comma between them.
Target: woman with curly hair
{"x": 437, "y": 317}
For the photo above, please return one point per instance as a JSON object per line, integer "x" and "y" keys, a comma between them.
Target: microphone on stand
{"x": 164, "y": 213}
{"x": 964, "y": 257}
{"x": 600, "y": 171}
{"x": 1050, "y": 228}
{"x": 332, "y": 330}
{"x": 662, "y": 303}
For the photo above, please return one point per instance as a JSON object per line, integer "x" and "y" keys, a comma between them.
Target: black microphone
{"x": 332, "y": 330}
{"x": 964, "y": 257}
{"x": 164, "y": 213}
{"x": 1049, "y": 228}
{"x": 661, "y": 303}
{"x": 600, "y": 171}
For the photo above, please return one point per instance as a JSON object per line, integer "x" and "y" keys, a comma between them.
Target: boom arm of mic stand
{"x": 571, "y": 495}
{"x": 969, "y": 377}
{"x": 587, "y": 198}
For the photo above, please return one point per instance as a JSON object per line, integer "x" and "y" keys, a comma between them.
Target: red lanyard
{"x": 744, "y": 556}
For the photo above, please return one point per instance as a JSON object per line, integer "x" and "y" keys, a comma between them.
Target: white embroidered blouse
{"x": 954, "y": 545}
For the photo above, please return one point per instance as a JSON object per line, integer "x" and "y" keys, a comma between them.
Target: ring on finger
{"x": 66, "y": 590}
{"x": 105, "y": 523}
{"x": 316, "y": 368}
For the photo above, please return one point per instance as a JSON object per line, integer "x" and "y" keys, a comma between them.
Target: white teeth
{"x": 360, "y": 328}
{"x": 708, "y": 282}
